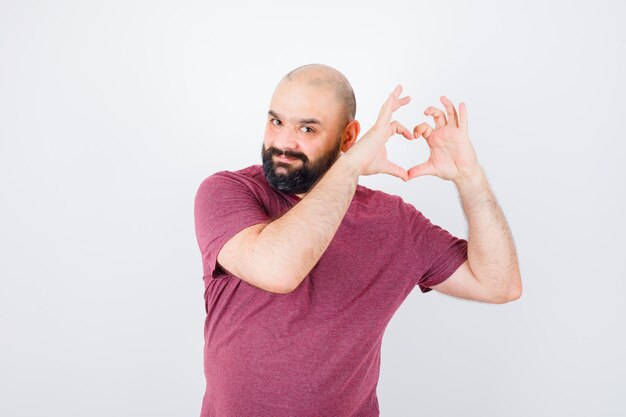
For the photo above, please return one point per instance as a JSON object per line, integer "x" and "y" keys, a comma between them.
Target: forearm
{"x": 490, "y": 250}
{"x": 291, "y": 245}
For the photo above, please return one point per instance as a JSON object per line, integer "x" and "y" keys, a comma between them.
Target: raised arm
{"x": 491, "y": 273}
{"x": 284, "y": 251}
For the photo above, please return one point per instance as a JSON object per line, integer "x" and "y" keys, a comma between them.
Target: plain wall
{"x": 113, "y": 112}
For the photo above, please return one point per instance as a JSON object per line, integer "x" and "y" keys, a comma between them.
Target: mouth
{"x": 283, "y": 158}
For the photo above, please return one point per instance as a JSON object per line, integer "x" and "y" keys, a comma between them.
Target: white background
{"x": 113, "y": 112}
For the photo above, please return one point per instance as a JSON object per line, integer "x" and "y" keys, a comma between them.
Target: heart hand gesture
{"x": 452, "y": 156}
{"x": 369, "y": 153}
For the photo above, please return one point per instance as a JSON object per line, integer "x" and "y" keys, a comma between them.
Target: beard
{"x": 297, "y": 180}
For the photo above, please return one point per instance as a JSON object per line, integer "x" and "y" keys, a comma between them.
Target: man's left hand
{"x": 452, "y": 156}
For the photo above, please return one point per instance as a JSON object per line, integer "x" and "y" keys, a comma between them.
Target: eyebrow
{"x": 303, "y": 121}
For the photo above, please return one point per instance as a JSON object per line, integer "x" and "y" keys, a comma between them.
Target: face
{"x": 293, "y": 172}
{"x": 302, "y": 136}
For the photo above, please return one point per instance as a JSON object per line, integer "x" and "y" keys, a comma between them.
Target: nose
{"x": 285, "y": 140}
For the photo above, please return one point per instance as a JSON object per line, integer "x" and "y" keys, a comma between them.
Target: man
{"x": 304, "y": 267}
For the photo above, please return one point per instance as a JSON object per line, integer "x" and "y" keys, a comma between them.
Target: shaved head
{"x": 324, "y": 76}
{"x": 310, "y": 121}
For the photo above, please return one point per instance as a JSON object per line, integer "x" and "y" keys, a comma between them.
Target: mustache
{"x": 274, "y": 151}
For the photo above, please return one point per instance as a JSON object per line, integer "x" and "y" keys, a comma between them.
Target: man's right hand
{"x": 369, "y": 153}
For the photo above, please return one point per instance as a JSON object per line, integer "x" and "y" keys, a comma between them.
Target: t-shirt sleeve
{"x": 223, "y": 206}
{"x": 439, "y": 252}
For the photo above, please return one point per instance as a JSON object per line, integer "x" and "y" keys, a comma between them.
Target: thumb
{"x": 426, "y": 168}
{"x": 396, "y": 171}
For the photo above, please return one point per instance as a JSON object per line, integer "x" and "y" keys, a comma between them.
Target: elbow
{"x": 514, "y": 293}
{"x": 283, "y": 288}
{"x": 277, "y": 279}
{"x": 276, "y": 284}
{"x": 288, "y": 285}
{"x": 286, "y": 290}
{"x": 267, "y": 277}
{"x": 275, "y": 289}
{"x": 507, "y": 294}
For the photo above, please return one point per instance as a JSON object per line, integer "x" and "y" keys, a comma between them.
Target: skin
{"x": 491, "y": 273}
{"x": 316, "y": 146}
{"x": 452, "y": 156}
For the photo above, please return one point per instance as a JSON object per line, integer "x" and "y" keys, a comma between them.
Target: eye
{"x": 311, "y": 130}
{"x": 278, "y": 122}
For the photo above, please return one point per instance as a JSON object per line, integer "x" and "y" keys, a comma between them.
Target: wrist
{"x": 474, "y": 180}
{"x": 346, "y": 162}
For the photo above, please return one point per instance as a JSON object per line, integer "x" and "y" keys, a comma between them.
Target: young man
{"x": 304, "y": 267}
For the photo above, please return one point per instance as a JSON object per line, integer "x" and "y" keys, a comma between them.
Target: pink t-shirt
{"x": 316, "y": 350}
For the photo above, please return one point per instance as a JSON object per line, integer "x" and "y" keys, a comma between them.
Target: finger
{"x": 426, "y": 168}
{"x": 385, "y": 111}
{"x": 401, "y": 102}
{"x": 452, "y": 116}
{"x": 423, "y": 129}
{"x": 396, "y": 91}
{"x": 400, "y": 129}
{"x": 440, "y": 118}
{"x": 463, "y": 116}
{"x": 392, "y": 104}
{"x": 395, "y": 170}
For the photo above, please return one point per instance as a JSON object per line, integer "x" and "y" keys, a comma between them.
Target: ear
{"x": 349, "y": 135}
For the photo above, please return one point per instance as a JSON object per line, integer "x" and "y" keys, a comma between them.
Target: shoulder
{"x": 245, "y": 177}
{"x": 242, "y": 186}
{"x": 252, "y": 172}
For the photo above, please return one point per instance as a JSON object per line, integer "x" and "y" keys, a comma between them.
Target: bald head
{"x": 324, "y": 76}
